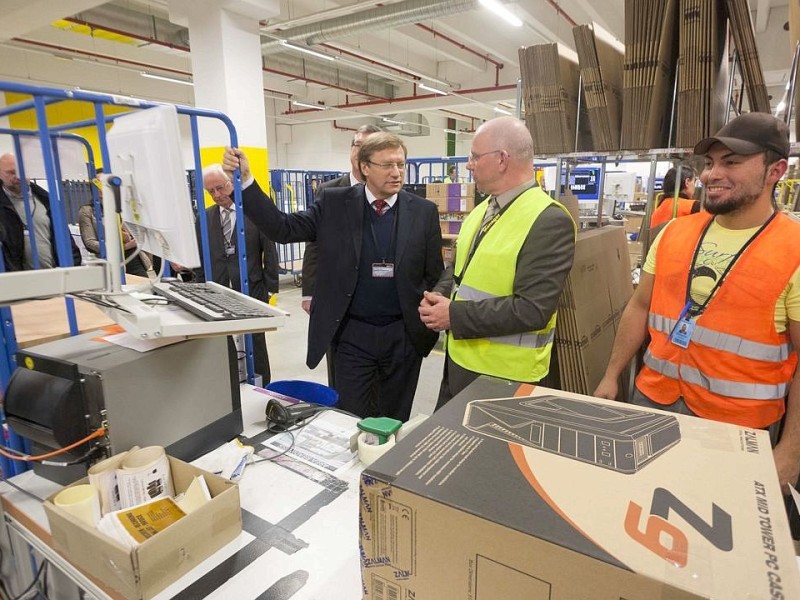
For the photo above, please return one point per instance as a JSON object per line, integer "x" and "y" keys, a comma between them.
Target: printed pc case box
{"x": 559, "y": 496}
{"x": 146, "y": 570}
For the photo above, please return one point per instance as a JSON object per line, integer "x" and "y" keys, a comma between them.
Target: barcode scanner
{"x": 288, "y": 416}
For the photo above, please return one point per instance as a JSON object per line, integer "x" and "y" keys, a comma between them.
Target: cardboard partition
{"x": 144, "y": 571}
{"x": 558, "y": 496}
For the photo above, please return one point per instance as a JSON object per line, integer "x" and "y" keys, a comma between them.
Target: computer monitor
{"x": 583, "y": 183}
{"x": 145, "y": 151}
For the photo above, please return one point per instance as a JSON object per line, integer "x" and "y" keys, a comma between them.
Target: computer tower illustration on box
{"x": 609, "y": 436}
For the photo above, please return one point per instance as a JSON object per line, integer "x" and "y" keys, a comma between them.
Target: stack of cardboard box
{"x": 597, "y": 290}
{"x": 601, "y": 73}
{"x": 454, "y": 201}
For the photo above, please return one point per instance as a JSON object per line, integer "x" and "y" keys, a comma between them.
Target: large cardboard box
{"x": 558, "y": 496}
{"x": 597, "y": 289}
{"x": 147, "y": 569}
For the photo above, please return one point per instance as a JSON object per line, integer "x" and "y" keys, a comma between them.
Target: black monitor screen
{"x": 584, "y": 183}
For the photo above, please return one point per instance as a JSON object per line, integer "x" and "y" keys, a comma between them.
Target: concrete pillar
{"x": 227, "y": 73}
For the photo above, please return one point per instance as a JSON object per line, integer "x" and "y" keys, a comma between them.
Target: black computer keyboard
{"x": 211, "y": 301}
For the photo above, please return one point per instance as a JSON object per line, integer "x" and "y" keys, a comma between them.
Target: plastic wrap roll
{"x": 369, "y": 450}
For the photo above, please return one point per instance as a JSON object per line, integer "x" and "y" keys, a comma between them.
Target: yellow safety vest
{"x": 520, "y": 356}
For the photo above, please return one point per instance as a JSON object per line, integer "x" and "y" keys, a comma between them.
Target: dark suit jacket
{"x": 262, "y": 258}
{"x": 336, "y": 223}
{"x": 311, "y": 255}
{"x": 12, "y": 231}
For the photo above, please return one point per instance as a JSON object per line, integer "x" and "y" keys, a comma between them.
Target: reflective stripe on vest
{"x": 733, "y": 389}
{"x": 725, "y": 341}
{"x": 529, "y": 339}
{"x": 738, "y": 366}
{"x": 521, "y": 356}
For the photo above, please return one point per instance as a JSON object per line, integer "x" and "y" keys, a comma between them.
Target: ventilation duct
{"x": 374, "y": 19}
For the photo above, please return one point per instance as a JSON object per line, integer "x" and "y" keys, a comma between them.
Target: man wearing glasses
{"x": 262, "y": 256}
{"x": 498, "y": 301}
{"x": 311, "y": 255}
{"x": 379, "y": 250}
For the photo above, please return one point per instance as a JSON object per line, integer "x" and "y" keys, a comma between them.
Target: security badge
{"x": 383, "y": 270}
{"x": 681, "y": 334}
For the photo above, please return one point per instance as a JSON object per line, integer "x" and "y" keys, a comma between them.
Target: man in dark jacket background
{"x": 14, "y": 228}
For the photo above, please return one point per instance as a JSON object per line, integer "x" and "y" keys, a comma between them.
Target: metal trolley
{"x": 295, "y": 190}
{"x": 66, "y": 196}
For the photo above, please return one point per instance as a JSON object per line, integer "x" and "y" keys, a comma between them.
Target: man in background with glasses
{"x": 379, "y": 249}
{"x": 498, "y": 301}
{"x": 311, "y": 255}
{"x": 262, "y": 255}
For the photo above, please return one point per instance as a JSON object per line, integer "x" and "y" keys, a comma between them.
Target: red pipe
{"x": 120, "y": 60}
{"x": 559, "y": 11}
{"x": 335, "y": 126}
{"x": 291, "y": 76}
{"x": 458, "y": 44}
{"x": 369, "y": 60}
{"x": 410, "y": 98}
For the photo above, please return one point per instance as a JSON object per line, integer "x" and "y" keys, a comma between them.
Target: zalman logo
{"x": 506, "y": 431}
{"x": 750, "y": 442}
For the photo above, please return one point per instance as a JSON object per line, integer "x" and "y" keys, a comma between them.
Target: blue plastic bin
{"x": 308, "y": 391}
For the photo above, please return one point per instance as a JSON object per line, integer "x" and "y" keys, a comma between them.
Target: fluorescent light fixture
{"x": 431, "y": 89}
{"x": 305, "y": 105}
{"x": 307, "y": 51}
{"x": 502, "y": 11}
{"x": 385, "y": 120}
{"x": 164, "y": 78}
{"x": 502, "y": 111}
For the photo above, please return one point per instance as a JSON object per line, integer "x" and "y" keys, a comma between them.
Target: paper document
{"x": 132, "y": 526}
{"x": 144, "y": 475}
{"x": 324, "y": 444}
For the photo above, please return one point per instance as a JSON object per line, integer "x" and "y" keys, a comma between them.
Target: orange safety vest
{"x": 737, "y": 368}
{"x": 663, "y": 212}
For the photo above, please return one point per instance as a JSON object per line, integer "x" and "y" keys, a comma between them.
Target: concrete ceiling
{"x": 453, "y": 45}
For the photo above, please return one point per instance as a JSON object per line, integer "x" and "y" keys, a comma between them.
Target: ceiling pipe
{"x": 499, "y": 88}
{"x": 339, "y": 127}
{"x": 459, "y": 45}
{"x": 560, "y": 11}
{"x": 114, "y": 61}
{"x": 142, "y": 38}
{"x": 382, "y": 17}
{"x": 370, "y": 61}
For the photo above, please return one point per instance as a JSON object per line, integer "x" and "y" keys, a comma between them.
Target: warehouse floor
{"x": 287, "y": 352}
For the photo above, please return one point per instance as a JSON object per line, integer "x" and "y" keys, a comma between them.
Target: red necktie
{"x": 380, "y": 206}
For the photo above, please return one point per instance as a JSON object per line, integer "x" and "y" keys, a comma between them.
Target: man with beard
{"x": 719, "y": 296}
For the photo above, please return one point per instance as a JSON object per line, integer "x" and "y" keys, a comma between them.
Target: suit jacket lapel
{"x": 355, "y": 212}
{"x": 405, "y": 215}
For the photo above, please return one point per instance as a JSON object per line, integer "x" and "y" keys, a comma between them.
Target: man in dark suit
{"x": 17, "y": 251}
{"x": 311, "y": 256}
{"x": 379, "y": 250}
{"x": 262, "y": 256}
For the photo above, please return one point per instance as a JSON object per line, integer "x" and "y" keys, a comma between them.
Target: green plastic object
{"x": 383, "y": 427}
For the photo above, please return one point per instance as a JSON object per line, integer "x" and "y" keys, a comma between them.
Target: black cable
{"x": 24, "y": 491}
{"x": 42, "y": 569}
{"x": 278, "y": 455}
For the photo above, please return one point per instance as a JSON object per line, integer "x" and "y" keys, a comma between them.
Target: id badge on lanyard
{"x": 681, "y": 334}
{"x": 383, "y": 270}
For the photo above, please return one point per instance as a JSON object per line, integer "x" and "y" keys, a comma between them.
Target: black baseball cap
{"x": 750, "y": 133}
